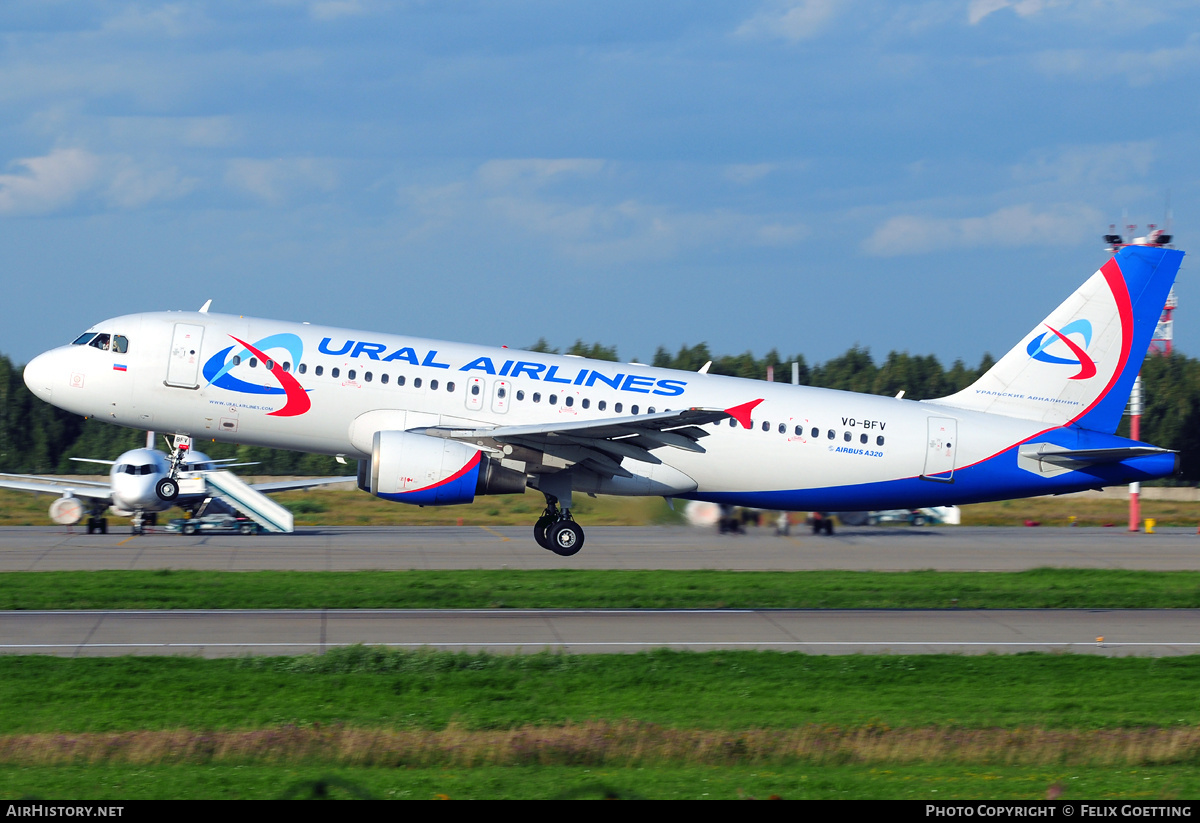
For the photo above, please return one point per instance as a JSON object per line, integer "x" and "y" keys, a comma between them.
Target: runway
{"x": 613, "y": 547}
{"x": 1114, "y": 633}
{"x": 234, "y": 633}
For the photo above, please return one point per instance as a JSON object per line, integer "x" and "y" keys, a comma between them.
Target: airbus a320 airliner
{"x": 437, "y": 423}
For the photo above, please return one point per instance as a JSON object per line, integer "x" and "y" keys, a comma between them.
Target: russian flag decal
{"x": 119, "y": 367}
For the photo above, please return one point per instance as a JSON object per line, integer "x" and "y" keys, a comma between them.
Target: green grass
{"x": 375, "y": 688}
{"x": 581, "y": 588}
{"x": 558, "y": 726}
{"x": 793, "y": 782}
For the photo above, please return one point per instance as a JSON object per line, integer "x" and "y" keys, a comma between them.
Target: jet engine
{"x": 432, "y": 471}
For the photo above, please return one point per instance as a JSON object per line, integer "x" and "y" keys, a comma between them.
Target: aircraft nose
{"x": 38, "y": 375}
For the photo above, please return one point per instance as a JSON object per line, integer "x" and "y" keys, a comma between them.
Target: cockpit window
{"x": 84, "y": 338}
{"x": 120, "y": 343}
{"x": 100, "y": 342}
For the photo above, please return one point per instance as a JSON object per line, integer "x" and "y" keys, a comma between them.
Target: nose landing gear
{"x": 167, "y": 489}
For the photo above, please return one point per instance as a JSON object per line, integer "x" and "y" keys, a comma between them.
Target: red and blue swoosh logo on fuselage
{"x": 217, "y": 372}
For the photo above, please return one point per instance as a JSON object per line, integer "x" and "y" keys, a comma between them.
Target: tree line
{"x": 37, "y": 438}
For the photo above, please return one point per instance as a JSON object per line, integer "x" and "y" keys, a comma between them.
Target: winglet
{"x": 742, "y": 413}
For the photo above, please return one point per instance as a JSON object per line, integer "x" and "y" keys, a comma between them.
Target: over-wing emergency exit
{"x": 437, "y": 423}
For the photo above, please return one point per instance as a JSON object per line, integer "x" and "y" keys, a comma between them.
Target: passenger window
{"x": 270, "y": 364}
{"x": 120, "y": 344}
{"x": 319, "y": 371}
{"x": 433, "y": 384}
{"x": 302, "y": 368}
{"x": 500, "y": 392}
{"x": 351, "y": 374}
{"x": 732, "y": 423}
{"x": 475, "y": 390}
{"x": 832, "y": 434}
{"x": 400, "y": 380}
{"x": 799, "y": 432}
{"x": 601, "y": 405}
{"x": 570, "y": 400}
{"x": 846, "y": 437}
{"x": 520, "y": 394}
{"x": 879, "y": 440}
{"x": 449, "y": 387}
{"x": 287, "y": 366}
{"x": 367, "y": 376}
{"x": 237, "y": 360}
{"x": 253, "y": 362}
{"x": 633, "y": 409}
{"x": 416, "y": 382}
{"x": 782, "y": 428}
{"x": 586, "y": 403}
{"x": 766, "y": 426}
{"x": 816, "y": 432}
{"x": 383, "y": 378}
{"x": 650, "y": 410}
{"x": 335, "y": 371}
{"x": 537, "y": 397}
{"x": 862, "y": 438}
{"x": 617, "y": 408}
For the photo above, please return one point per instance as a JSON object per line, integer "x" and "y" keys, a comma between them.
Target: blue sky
{"x": 805, "y": 175}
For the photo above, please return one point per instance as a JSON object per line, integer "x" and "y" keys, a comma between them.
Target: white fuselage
{"x": 357, "y": 383}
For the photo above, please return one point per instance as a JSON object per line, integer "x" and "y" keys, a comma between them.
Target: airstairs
{"x": 232, "y": 490}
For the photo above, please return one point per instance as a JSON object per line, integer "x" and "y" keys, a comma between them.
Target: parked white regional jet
{"x": 436, "y": 423}
{"x": 133, "y": 488}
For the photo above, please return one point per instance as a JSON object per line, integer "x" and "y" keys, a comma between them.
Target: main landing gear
{"x": 556, "y": 531}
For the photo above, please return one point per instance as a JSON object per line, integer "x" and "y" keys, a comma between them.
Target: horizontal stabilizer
{"x": 1048, "y": 458}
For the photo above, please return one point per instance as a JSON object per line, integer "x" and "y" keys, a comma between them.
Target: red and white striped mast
{"x": 1161, "y": 343}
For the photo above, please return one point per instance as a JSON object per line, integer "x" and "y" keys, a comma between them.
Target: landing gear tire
{"x": 167, "y": 489}
{"x": 541, "y": 531}
{"x": 565, "y": 537}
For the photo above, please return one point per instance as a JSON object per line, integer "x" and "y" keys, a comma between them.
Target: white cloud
{"x": 1094, "y": 166}
{"x": 792, "y": 20}
{"x": 536, "y": 171}
{"x": 1140, "y": 68}
{"x": 1011, "y": 226}
{"x": 980, "y": 9}
{"x": 49, "y": 182}
{"x": 131, "y": 187}
{"x": 278, "y": 180}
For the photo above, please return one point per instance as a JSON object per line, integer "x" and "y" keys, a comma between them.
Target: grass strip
{"x": 370, "y": 687}
{"x": 613, "y": 744}
{"x": 577, "y": 588}
{"x": 793, "y": 782}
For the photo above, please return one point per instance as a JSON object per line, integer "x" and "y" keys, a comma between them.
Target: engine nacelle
{"x": 432, "y": 471}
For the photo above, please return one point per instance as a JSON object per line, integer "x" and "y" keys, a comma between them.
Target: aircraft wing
{"x": 303, "y": 483}
{"x": 601, "y": 444}
{"x": 56, "y": 485}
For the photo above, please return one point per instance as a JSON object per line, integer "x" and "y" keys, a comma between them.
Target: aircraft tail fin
{"x": 1079, "y": 364}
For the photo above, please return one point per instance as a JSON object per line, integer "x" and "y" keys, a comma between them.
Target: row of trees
{"x": 38, "y": 438}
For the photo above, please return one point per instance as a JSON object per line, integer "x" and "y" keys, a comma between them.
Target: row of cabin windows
{"x": 814, "y": 433}
{"x": 586, "y": 403}
{"x": 351, "y": 374}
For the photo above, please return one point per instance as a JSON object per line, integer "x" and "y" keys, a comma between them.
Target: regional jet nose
{"x": 39, "y": 373}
